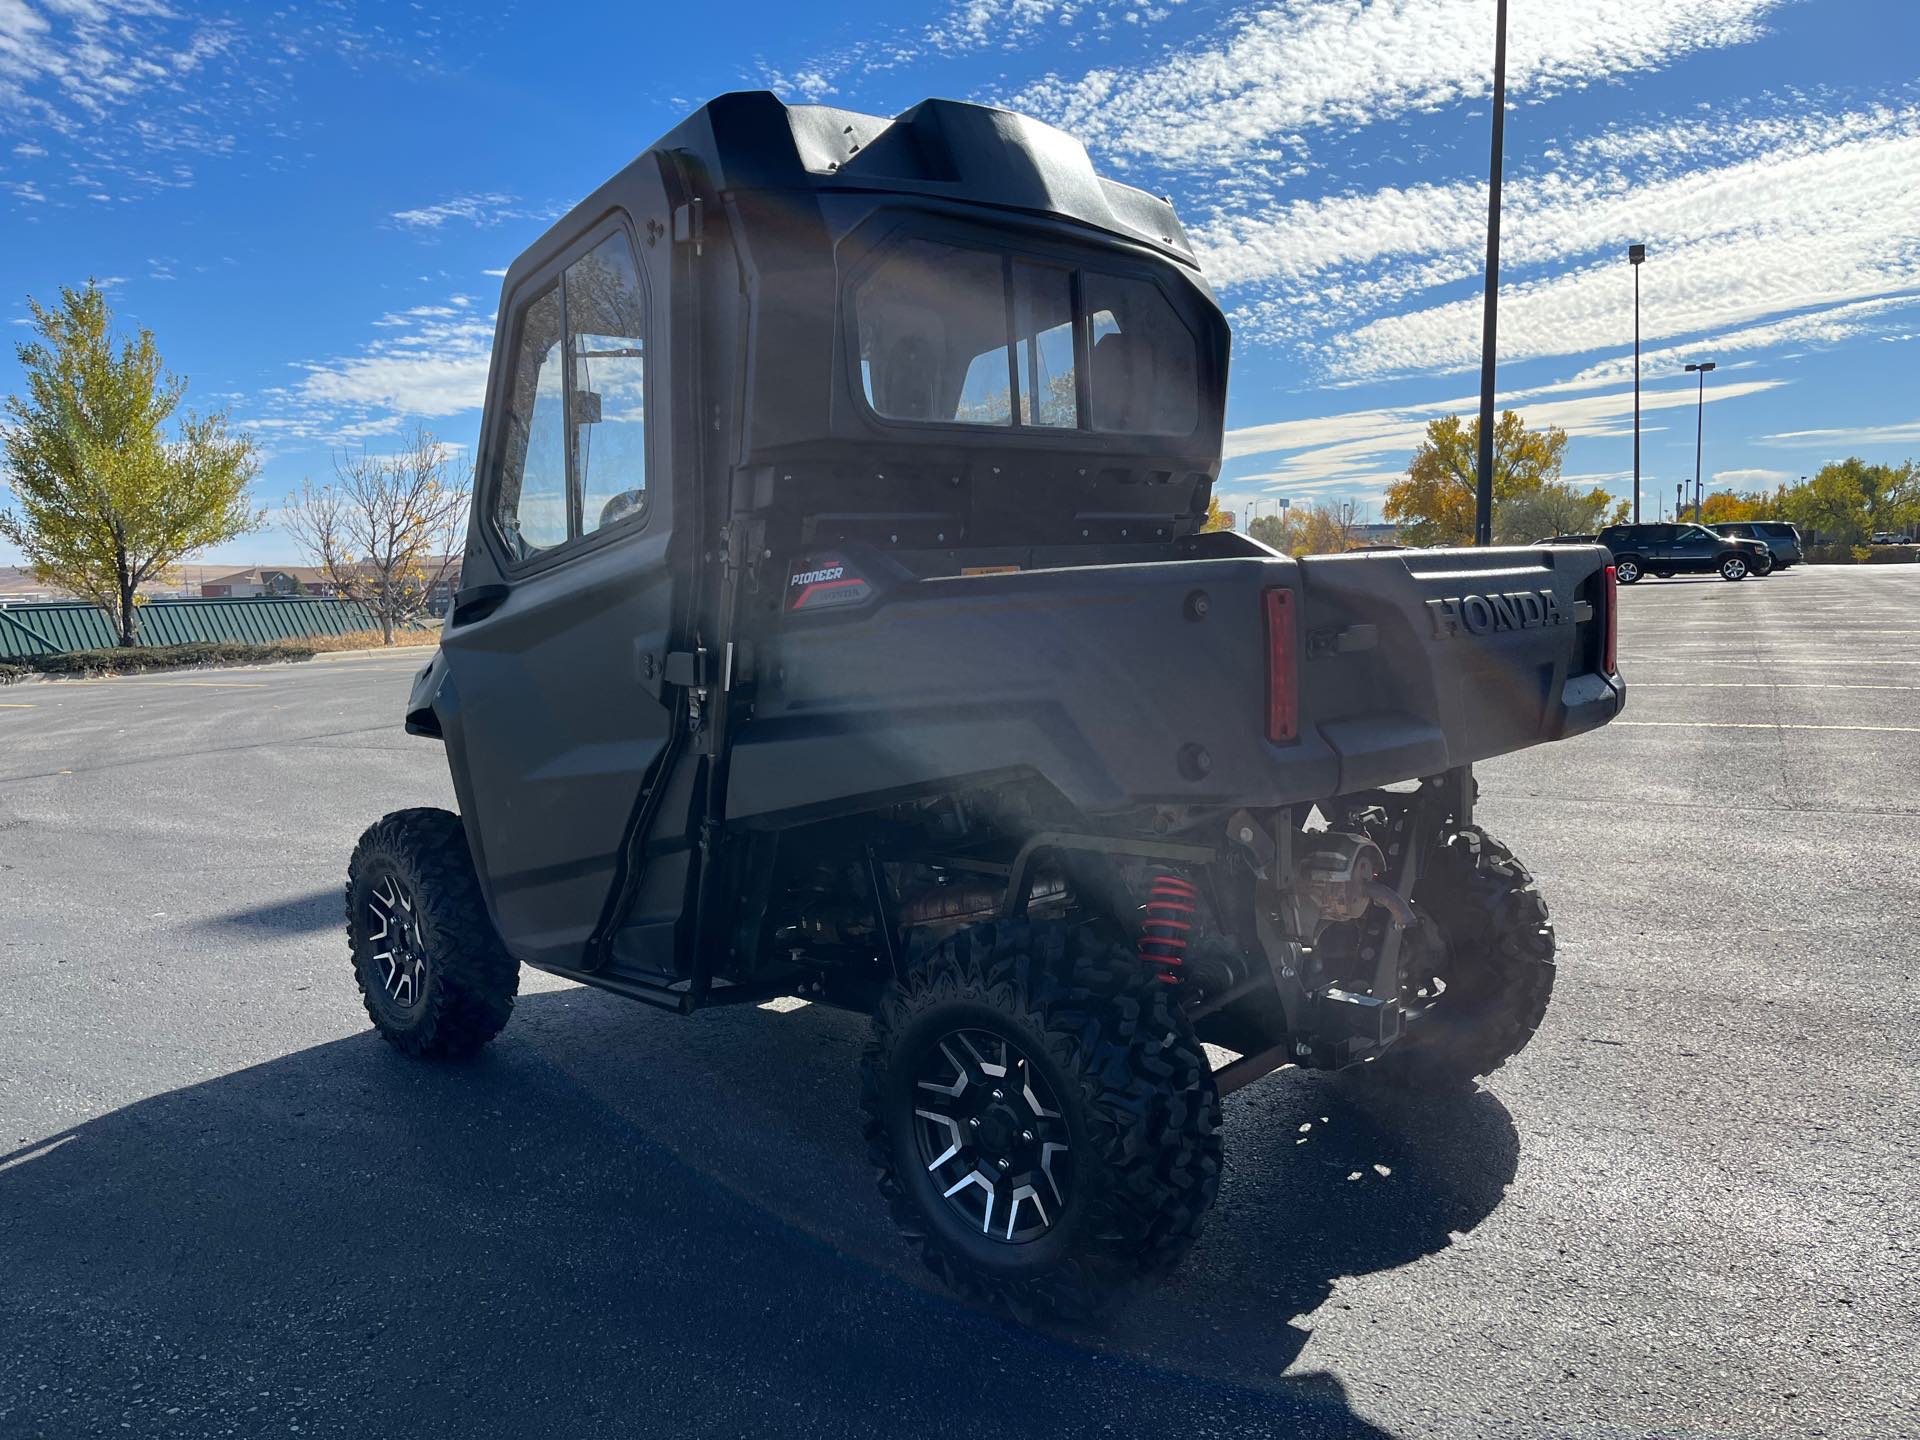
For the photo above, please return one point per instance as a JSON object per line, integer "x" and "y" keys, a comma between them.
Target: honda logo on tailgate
{"x": 1485, "y": 614}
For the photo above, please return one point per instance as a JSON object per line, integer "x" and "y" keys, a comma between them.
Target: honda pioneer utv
{"x": 837, "y": 622}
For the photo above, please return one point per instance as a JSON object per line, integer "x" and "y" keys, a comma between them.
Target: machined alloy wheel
{"x": 1734, "y": 567}
{"x": 393, "y": 942}
{"x": 1626, "y": 572}
{"x": 1043, "y": 1122}
{"x": 992, "y": 1135}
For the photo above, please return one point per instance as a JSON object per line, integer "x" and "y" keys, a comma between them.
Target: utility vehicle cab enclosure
{"x": 837, "y": 622}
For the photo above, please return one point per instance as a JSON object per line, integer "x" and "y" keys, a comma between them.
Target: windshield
{"x": 961, "y": 336}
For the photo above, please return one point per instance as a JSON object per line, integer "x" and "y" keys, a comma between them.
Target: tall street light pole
{"x": 1483, "y": 501}
{"x": 1636, "y": 256}
{"x": 1699, "y": 428}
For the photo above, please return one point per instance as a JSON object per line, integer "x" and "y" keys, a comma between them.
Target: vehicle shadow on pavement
{"x": 300, "y": 915}
{"x": 608, "y": 1216}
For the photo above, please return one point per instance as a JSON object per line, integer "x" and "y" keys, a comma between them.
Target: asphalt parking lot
{"x": 1687, "y": 1210}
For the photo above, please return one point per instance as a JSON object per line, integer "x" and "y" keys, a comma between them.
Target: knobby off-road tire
{"x": 1494, "y": 959}
{"x": 1088, "y": 1033}
{"x": 432, "y": 972}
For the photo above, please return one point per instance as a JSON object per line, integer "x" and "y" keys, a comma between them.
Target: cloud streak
{"x": 1299, "y": 66}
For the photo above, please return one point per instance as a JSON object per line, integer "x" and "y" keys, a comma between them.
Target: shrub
{"x": 134, "y": 659}
{"x": 370, "y": 639}
{"x": 10, "y": 672}
{"x": 1893, "y": 554}
{"x": 1834, "y": 554}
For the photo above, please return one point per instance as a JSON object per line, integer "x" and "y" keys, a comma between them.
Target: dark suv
{"x": 1666, "y": 550}
{"x": 1781, "y": 539}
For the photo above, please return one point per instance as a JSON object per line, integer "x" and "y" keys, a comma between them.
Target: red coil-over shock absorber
{"x": 1165, "y": 922}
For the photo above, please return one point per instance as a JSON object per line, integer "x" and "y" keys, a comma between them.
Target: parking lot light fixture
{"x": 1636, "y": 256}
{"x": 1699, "y": 426}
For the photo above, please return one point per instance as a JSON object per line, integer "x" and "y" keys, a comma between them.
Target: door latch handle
{"x": 476, "y": 602}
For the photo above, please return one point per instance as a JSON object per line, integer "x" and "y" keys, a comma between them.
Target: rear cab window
{"x": 957, "y": 335}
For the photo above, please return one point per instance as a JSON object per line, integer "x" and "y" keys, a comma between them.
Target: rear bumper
{"x": 1590, "y": 701}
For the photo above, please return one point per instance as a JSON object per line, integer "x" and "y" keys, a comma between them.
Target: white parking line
{"x": 1758, "y": 725}
{"x": 1752, "y": 685}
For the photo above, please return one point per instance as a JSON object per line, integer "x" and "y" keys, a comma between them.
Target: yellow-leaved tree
{"x": 107, "y": 500}
{"x": 1433, "y": 504}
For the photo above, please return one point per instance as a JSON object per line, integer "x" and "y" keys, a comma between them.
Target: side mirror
{"x": 586, "y": 407}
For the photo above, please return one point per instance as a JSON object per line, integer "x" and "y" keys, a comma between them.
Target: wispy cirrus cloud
{"x": 1801, "y": 230}
{"x": 960, "y": 28}
{"x": 482, "y": 210}
{"x": 1903, "y": 433}
{"x": 1298, "y": 66}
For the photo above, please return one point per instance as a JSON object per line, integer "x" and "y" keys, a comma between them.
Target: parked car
{"x": 1666, "y": 550}
{"x": 1780, "y": 538}
{"x": 1888, "y": 537}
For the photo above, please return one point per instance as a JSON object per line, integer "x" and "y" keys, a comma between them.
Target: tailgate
{"x": 1413, "y": 660}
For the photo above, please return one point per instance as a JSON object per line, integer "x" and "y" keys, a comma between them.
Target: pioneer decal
{"x": 824, "y": 583}
{"x": 1489, "y": 614}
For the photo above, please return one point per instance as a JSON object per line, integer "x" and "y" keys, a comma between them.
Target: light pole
{"x": 1636, "y": 257}
{"x": 1699, "y": 427}
{"x": 1490, "y": 309}
{"x": 1679, "y": 499}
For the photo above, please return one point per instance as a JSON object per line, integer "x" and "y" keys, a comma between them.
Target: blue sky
{"x": 310, "y": 205}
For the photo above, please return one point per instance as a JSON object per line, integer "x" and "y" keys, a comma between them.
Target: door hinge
{"x": 690, "y": 225}
{"x": 687, "y": 668}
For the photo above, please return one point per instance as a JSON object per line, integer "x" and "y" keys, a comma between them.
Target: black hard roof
{"x": 974, "y": 154}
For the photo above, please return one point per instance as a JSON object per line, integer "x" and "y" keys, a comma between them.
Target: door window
{"x": 530, "y": 504}
{"x": 607, "y": 395}
{"x": 573, "y": 459}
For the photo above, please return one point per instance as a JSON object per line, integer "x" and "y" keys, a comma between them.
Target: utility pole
{"x": 1483, "y": 502}
{"x": 1636, "y": 256}
{"x": 1699, "y": 428}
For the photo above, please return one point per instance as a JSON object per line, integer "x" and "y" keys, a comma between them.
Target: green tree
{"x": 1837, "y": 503}
{"x": 106, "y": 500}
{"x": 1434, "y": 502}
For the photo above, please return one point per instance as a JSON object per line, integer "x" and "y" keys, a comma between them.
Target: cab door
{"x": 555, "y": 646}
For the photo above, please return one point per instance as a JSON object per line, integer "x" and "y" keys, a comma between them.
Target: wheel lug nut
{"x": 1027, "y": 1135}
{"x": 1004, "y": 1164}
{"x": 999, "y": 1095}
{"x": 974, "y": 1122}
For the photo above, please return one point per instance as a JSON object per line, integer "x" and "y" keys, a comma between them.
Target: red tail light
{"x": 1283, "y": 668}
{"x": 1610, "y": 658}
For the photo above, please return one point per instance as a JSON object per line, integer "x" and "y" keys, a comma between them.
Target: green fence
{"x": 51, "y": 628}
